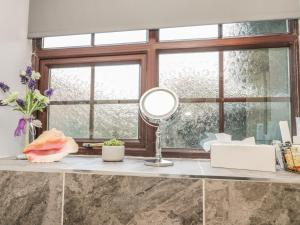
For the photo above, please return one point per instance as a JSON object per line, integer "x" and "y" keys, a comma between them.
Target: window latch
{"x": 92, "y": 145}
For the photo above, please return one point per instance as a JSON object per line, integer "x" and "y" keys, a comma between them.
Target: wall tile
{"x": 251, "y": 203}
{"x": 123, "y": 200}
{"x": 29, "y": 198}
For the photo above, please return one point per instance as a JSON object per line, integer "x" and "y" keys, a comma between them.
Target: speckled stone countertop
{"x": 134, "y": 166}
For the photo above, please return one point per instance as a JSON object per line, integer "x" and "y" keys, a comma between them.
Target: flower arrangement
{"x": 28, "y": 105}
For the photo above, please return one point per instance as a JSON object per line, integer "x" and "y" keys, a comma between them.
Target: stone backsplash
{"x": 42, "y": 198}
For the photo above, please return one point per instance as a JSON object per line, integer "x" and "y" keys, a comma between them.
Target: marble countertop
{"x": 134, "y": 166}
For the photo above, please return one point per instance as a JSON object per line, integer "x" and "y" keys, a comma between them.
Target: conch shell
{"x": 50, "y": 146}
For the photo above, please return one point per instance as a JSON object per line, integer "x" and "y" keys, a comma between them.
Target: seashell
{"x": 50, "y": 146}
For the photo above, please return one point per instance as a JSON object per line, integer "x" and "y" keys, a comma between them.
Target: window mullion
{"x": 221, "y": 82}
{"x": 92, "y": 103}
{"x": 221, "y": 91}
{"x": 220, "y": 31}
{"x": 92, "y": 39}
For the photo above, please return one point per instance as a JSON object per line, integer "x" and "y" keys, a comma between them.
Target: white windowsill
{"x": 134, "y": 166}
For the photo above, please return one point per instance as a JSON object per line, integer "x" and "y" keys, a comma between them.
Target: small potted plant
{"x": 113, "y": 151}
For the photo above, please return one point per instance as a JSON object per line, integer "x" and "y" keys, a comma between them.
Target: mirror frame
{"x": 151, "y": 116}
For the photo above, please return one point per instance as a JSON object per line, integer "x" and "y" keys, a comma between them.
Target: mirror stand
{"x": 156, "y": 105}
{"x": 158, "y": 161}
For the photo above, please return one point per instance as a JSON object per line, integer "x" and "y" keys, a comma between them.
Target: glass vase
{"x": 29, "y": 132}
{"x": 29, "y": 135}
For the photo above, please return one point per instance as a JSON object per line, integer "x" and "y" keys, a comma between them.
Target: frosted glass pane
{"x": 255, "y": 28}
{"x": 185, "y": 33}
{"x": 117, "y": 82}
{"x": 116, "y": 121}
{"x": 190, "y": 74}
{"x": 71, "y": 83}
{"x": 111, "y": 38}
{"x": 190, "y": 125}
{"x": 67, "y": 41}
{"x": 256, "y": 119}
{"x": 257, "y": 73}
{"x": 73, "y": 120}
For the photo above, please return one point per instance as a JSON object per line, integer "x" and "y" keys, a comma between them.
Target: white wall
{"x": 15, "y": 54}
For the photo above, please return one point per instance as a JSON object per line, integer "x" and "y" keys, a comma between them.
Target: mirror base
{"x": 158, "y": 163}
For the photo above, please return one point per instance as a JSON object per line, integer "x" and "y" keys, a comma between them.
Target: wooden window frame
{"x": 148, "y": 52}
{"x": 133, "y": 147}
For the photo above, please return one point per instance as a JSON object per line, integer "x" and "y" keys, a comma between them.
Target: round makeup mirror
{"x": 155, "y": 105}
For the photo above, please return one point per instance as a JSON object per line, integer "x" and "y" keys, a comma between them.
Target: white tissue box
{"x": 249, "y": 157}
{"x": 296, "y": 140}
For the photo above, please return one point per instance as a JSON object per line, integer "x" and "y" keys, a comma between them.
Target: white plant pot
{"x": 113, "y": 153}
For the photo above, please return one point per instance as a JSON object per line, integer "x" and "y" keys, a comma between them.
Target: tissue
{"x": 224, "y": 139}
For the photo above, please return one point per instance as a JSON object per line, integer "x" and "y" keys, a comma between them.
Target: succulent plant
{"x": 113, "y": 142}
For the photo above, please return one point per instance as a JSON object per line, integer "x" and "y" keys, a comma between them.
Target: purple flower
{"x": 49, "y": 92}
{"x": 31, "y": 84}
{"x": 29, "y": 70}
{"x": 24, "y": 79}
{"x": 20, "y": 102}
{"x": 4, "y": 87}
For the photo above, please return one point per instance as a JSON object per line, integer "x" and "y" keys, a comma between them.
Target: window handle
{"x": 92, "y": 145}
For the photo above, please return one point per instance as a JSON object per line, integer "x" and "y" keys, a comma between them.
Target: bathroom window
{"x": 239, "y": 78}
{"x": 118, "y": 38}
{"x": 188, "y": 33}
{"x": 69, "y": 109}
{"x": 88, "y": 40}
{"x": 97, "y": 98}
{"x": 82, "y": 40}
{"x": 243, "y": 93}
{"x": 224, "y": 30}
{"x": 108, "y": 108}
{"x": 255, "y": 28}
